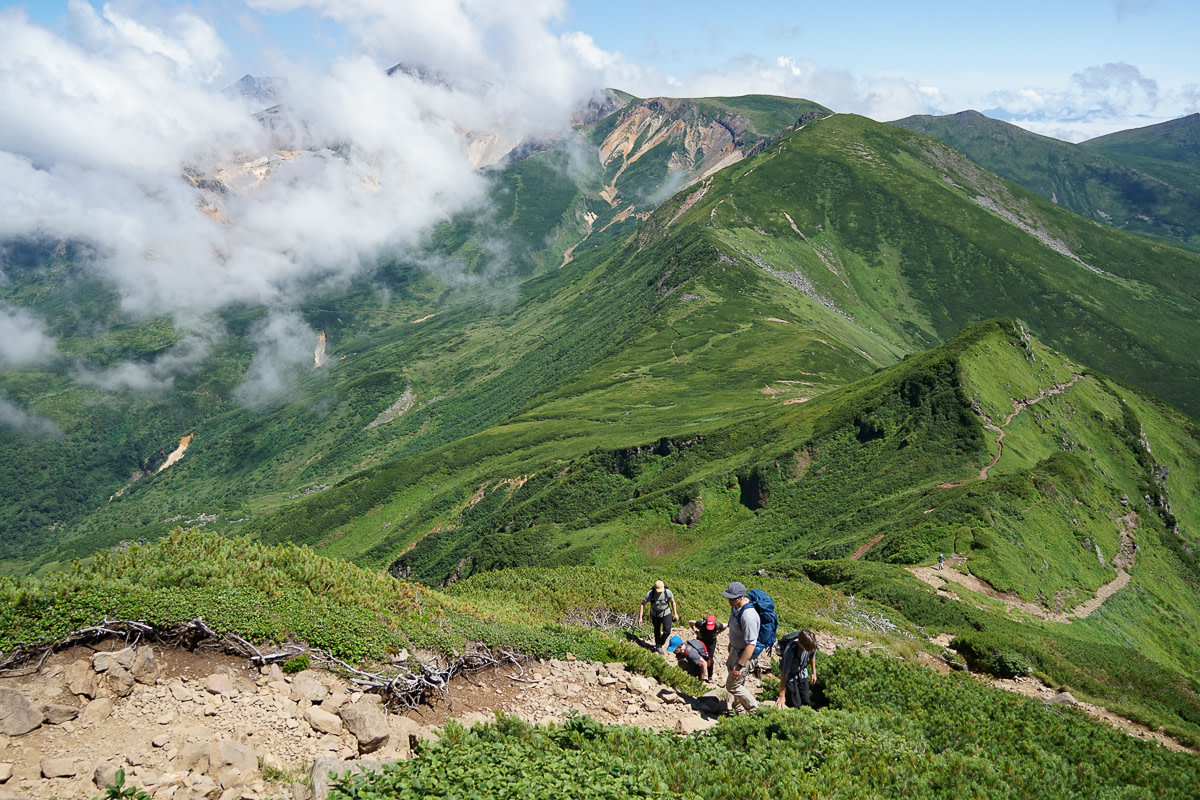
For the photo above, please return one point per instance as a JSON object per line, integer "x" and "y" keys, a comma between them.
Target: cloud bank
{"x": 118, "y": 134}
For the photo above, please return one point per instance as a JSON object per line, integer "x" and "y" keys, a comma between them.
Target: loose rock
{"x": 17, "y": 714}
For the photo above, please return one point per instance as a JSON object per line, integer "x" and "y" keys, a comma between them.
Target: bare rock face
{"x": 368, "y": 724}
{"x": 17, "y": 714}
{"x": 145, "y": 668}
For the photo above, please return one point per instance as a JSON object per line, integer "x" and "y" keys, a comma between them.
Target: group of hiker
{"x": 751, "y": 627}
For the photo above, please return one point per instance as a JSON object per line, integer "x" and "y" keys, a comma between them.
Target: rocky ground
{"x": 188, "y": 725}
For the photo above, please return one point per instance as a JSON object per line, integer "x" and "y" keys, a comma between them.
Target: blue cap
{"x": 675, "y": 642}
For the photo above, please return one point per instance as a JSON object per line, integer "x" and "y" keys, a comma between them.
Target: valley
{"x": 696, "y": 340}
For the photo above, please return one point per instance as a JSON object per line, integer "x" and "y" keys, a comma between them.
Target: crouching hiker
{"x": 693, "y": 656}
{"x": 706, "y": 631}
{"x": 798, "y": 669}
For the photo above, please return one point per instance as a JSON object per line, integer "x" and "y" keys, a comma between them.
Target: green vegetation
{"x": 884, "y": 727}
{"x": 1102, "y": 180}
{"x": 848, "y": 354}
{"x": 1167, "y": 150}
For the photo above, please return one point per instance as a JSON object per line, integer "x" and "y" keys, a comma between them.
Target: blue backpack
{"x": 768, "y": 622}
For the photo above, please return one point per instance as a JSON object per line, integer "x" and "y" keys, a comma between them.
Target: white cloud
{"x": 98, "y": 130}
{"x": 285, "y": 346}
{"x": 23, "y": 339}
{"x": 13, "y": 416}
{"x": 1096, "y": 100}
{"x": 155, "y": 377}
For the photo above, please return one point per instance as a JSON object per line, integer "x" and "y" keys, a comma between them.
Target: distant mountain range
{"x": 1145, "y": 181}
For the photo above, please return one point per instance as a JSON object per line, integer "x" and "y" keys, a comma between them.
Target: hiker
{"x": 941, "y": 559}
{"x": 662, "y": 613}
{"x": 798, "y": 671}
{"x": 693, "y": 656}
{"x": 706, "y": 631}
{"x": 743, "y": 635}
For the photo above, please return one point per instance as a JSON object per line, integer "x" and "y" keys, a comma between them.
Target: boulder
{"x": 226, "y": 753}
{"x": 58, "y": 767}
{"x": 57, "y": 714}
{"x": 192, "y": 757}
{"x": 17, "y": 714}
{"x": 102, "y": 662}
{"x": 1063, "y": 699}
{"x": 321, "y": 782}
{"x": 219, "y": 683}
{"x": 368, "y": 724}
{"x": 321, "y": 720}
{"x": 272, "y": 672}
{"x": 335, "y": 701}
{"x": 96, "y": 711}
{"x": 104, "y": 775}
{"x": 305, "y": 686}
{"x": 119, "y": 681}
{"x": 81, "y": 679}
{"x": 144, "y": 667}
{"x": 694, "y": 724}
{"x": 6, "y": 772}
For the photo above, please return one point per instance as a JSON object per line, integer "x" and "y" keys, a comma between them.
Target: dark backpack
{"x": 768, "y": 622}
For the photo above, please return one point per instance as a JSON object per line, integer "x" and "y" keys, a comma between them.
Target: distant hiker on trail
{"x": 743, "y": 635}
{"x": 941, "y": 559}
{"x": 706, "y": 631}
{"x": 662, "y": 613}
{"x": 798, "y": 669}
{"x": 692, "y": 654}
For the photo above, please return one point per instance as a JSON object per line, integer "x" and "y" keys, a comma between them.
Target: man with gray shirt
{"x": 743, "y": 635}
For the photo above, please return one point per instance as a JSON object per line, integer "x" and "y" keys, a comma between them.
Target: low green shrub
{"x": 297, "y": 664}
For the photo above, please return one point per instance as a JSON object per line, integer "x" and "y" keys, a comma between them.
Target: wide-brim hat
{"x": 734, "y": 590}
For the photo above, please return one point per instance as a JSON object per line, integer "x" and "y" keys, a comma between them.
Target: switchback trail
{"x": 1019, "y": 405}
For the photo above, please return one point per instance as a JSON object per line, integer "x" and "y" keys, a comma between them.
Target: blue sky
{"x": 1068, "y": 68}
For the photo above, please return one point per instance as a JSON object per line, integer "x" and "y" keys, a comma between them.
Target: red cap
{"x": 710, "y": 623}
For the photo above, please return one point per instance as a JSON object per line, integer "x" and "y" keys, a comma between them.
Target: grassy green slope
{"x": 916, "y": 243}
{"x": 1167, "y": 150}
{"x": 1091, "y": 181}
